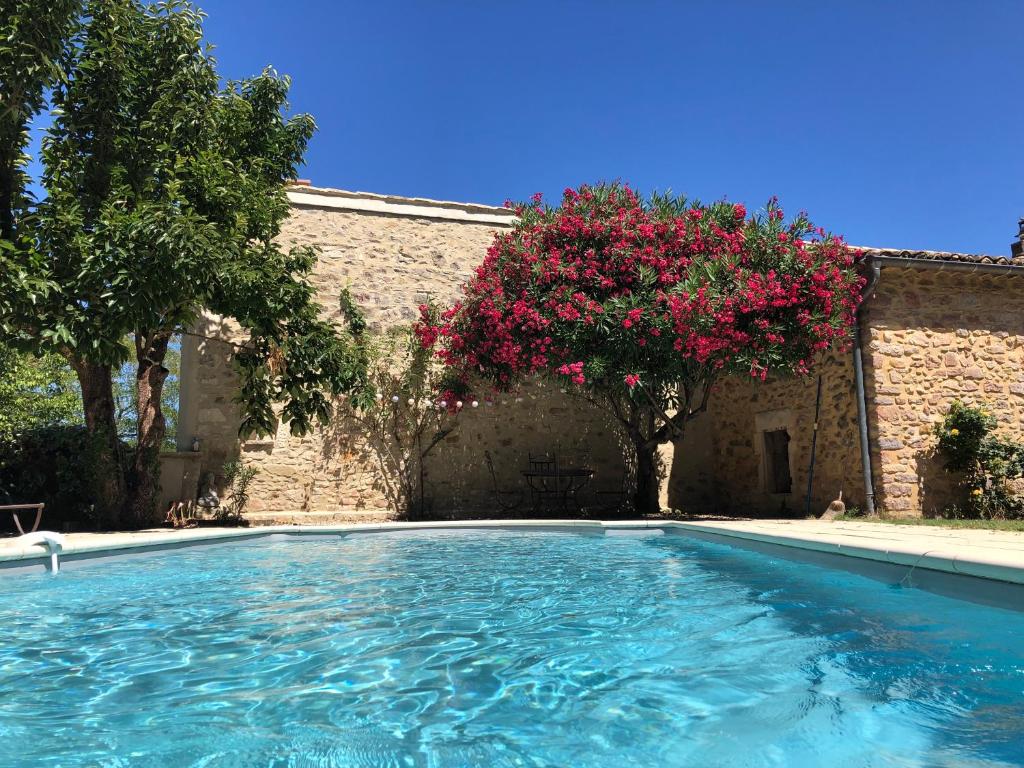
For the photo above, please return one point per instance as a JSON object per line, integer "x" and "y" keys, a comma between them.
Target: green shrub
{"x": 54, "y": 465}
{"x": 986, "y": 463}
{"x": 237, "y": 479}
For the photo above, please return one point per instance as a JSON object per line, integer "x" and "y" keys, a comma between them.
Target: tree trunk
{"x": 645, "y": 498}
{"x": 98, "y": 404}
{"x": 410, "y": 474}
{"x": 10, "y": 151}
{"x": 144, "y": 488}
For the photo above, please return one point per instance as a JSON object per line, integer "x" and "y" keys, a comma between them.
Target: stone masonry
{"x": 929, "y": 337}
{"x": 727, "y": 461}
{"x": 393, "y": 253}
{"x": 935, "y": 337}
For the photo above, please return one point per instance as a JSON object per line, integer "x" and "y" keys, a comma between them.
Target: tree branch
{"x": 441, "y": 435}
{"x": 690, "y": 414}
{"x": 670, "y": 423}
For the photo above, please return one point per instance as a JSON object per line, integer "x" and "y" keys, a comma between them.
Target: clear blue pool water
{"x": 448, "y": 649}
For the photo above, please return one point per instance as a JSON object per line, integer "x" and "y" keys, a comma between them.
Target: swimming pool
{"x": 499, "y": 648}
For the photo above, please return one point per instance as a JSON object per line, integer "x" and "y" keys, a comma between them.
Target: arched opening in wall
{"x": 778, "y": 473}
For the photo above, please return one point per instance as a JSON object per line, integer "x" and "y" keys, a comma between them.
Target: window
{"x": 778, "y": 478}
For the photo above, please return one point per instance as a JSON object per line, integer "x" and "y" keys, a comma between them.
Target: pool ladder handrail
{"x": 53, "y": 542}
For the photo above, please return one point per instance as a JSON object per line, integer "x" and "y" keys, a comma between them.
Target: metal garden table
{"x": 560, "y": 483}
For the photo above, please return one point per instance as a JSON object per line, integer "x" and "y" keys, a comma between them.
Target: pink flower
{"x": 542, "y": 293}
{"x": 632, "y": 317}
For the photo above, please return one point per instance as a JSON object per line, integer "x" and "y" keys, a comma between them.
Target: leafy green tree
{"x": 35, "y": 43}
{"x": 35, "y": 37}
{"x": 43, "y": 392}
{"x": 165, "y": 193}
{"x": 36, "y": 392}
{"x": 126, "y": 396}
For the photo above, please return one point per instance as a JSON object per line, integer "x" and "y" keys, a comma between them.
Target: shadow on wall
{"x": 340, "y": 467}
{"x": 207, "y": 409}
{"x": 692, "y": 484}
{"x": 729, "y": 464}
{"x": 538, "y": 420}
{"x": 938, "y": 489}
{"x": 349, "y": 470}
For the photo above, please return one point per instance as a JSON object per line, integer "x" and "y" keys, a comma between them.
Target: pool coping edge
{"x": 989, "y": 566}
{"x": 997, "y": 566}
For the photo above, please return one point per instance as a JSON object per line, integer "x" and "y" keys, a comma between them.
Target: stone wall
{"x": 393, "y": 254}
{"x": 929, "y": 337}
{"x": 722, "y": 467}
{"x": 936, "y": 337}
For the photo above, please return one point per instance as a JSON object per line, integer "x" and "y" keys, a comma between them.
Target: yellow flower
{"x": 954, "y": 432}
{"x": 976, "y": 492}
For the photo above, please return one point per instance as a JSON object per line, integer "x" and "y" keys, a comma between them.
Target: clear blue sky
{"x": 896, "y": 123}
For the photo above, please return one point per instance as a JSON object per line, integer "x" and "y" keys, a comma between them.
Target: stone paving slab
{"x": 985, "y": 553}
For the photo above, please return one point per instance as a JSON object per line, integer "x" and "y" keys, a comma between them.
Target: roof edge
{"x": 301, "y": 194}
{"x": 911, "y": 256}
{"x": 396, "y": 205}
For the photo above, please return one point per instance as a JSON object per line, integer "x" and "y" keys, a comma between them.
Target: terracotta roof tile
{"x": 969, "y": 258}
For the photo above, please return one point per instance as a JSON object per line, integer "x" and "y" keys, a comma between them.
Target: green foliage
{"x": 164, "y": 199}
{"x": 35, "y": 42}
{"x": 53, "y": 465}
{"x": 237, "y": 479}
{"x": 961, "y": 435}
{"x": 986, "y": 463}
{"x": 401, "y": 406}
{"x": 354, "y": 319}
{"x": 165, "y": 193}
{"x": 36, "y": 392}
{"x": 43, "y": 391}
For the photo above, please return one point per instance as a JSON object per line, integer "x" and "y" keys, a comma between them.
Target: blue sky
{"x": 895, "y": 123}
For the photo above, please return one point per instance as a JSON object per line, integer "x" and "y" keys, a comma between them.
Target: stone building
{"x": 935, "y": 327}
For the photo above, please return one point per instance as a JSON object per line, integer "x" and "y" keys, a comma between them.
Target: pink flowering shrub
{"x": 644, "y": 303}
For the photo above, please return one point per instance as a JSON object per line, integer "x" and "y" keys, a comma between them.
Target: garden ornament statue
{"x": 835, "y": 509}
{"x": 208, "y": 497}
